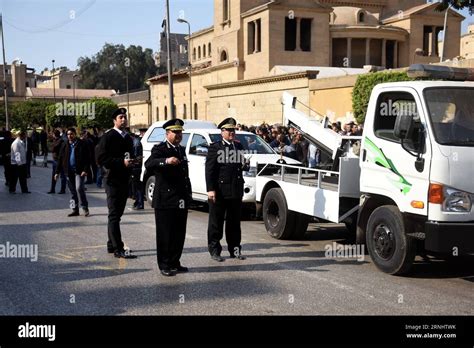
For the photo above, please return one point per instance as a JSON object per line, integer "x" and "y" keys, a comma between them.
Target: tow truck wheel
{"x": 149, "y": 188}
{"x": 391, "y": 250}
{"x": 279, "y": 222}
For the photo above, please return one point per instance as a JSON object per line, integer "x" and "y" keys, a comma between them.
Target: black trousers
{"x": 170, "y": 236}
{"x": 116, "y": 200}
{"x": 18, "y": 173}
{"x": 230, "y": 210}
{"x": 7, "y": 168}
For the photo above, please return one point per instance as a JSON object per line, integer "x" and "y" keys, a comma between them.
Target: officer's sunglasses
{"x": 230, "y": 130}
{"x": 177, "y": 131}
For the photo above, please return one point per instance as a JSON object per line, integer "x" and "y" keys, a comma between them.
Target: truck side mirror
{"x": 403, "y": 126}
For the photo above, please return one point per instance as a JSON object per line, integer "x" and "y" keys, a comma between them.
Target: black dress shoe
{"x": 25, "y": 192}
{"x": 49, "y": 192}
{"x": 180, "y": 269}
{"x": 217, "y": 258}
{"x": 74, "y": 213}
{"x": 168, "y": 272}
{"x": 110, "y": 251}
{"x": 61, "y": 192}
{"x": 123, "y": 255}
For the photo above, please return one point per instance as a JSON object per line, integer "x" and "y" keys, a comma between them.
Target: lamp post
{"x": 181, "y": 20}
{"x": 127, "y": 65}
{"x": 54, "y": 84}
{"x": 445, "y": 28}
{"x": 170, "y": 63}
{"x": 74, "y": 91}
{"x": 5, "y": 92}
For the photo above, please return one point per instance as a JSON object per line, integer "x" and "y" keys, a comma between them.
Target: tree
{"x": 29, "y": 113}
{"x": 106, "y": 69}
{"x": 456, "y": 4}
{"x": 54, "y": 118}
{"x": 100, "y": 115}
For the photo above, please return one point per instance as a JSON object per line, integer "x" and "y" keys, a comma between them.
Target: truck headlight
{"x": 251, "y": 173}
{"x": 456, "y": 201}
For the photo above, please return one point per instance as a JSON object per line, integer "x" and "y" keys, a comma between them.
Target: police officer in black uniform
{"x": 225, "y": 188}
{"x": 115, "y": 152}
{"x": 171, "y": 197}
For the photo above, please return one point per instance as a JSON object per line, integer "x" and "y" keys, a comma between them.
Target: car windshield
{"x": 250, "y": 142}
{"x": 452, "y": 115}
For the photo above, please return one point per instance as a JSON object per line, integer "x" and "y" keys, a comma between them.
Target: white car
{"x": 196, "y": 142}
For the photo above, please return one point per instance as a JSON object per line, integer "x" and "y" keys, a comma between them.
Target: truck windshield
{"x": 452, "y": 115}
{"x": 250, "y": 142}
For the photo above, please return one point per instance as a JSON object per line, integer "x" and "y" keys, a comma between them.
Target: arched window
{"x": 184, "y": 112}
{"x": 199, "y": 52}
{"x": 195, "y": 111}
{"x": 194, "y": 53}
{"x": 209, "y": 49}
{"x": 204, "y": 51}
{"x": 361, "y": 17}
{"x": 223, "y": 56}
{"x": 166, "y": 113}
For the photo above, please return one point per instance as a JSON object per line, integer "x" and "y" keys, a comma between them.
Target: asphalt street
{"x": 74, "y": 275}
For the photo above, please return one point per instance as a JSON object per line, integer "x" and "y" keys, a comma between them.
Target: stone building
{"x": 179, "y": 52}
{"x": 237, "y": 62}
{"x": 467, "y": 43}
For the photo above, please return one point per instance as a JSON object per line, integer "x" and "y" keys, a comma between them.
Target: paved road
{"x": 75, "y": 276}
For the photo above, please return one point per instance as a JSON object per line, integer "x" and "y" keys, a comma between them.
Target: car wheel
{"x": 150, "y": 187}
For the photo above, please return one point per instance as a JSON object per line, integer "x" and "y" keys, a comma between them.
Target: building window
{"x": 225, "y": 10}
{"x": 290, "y": 34}
{"x": 254, "y": 36}
{"x": 204, "y": 51}
{"x": 223, "y": 56}
{"x": 157, "y": 114}
{"x": 195, "y": 111}
{"x": 184, "y": 111}
{"x": 194, "y": 53}
{"x": 68, "y": 86}
{"x": 199, "y": 52}
{"x": 209, "y": 50}
{"x": 361, "y": 17}
{"x": 166, "y": 113}
{"x": 305, "y": 29}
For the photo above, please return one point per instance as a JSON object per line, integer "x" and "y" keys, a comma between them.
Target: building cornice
{"x": 200, "y": 33}
{"x": 362, "y": 28}
{"x": 310, "y": 74}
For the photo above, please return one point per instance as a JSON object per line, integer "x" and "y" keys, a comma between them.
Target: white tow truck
{"x": 411, "y": 185}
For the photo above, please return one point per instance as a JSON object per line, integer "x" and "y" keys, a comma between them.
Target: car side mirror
{"x": 403, "y": 126}
{"x": 202, "y": 151}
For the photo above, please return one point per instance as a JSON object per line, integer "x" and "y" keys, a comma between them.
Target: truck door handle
{"x": 364, "y": 154}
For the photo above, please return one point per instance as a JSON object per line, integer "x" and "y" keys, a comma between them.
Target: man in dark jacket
{"x": 74, "y": 160}
{"x": 115, "y": 154}
{"x": 171, "y": 197}
{"x": 225, "y": 188}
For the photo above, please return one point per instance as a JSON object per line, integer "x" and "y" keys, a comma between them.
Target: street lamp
{"x": 74, "y": 91}
{"x": 181, "y": 20}
{"x": 127, "y": 65}
{"x": 444, "y": 33}
{"x": 54, "y": 85}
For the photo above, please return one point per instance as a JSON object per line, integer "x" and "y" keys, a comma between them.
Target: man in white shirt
{"x": 18, "y": 161}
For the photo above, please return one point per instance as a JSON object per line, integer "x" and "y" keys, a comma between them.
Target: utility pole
{"x": 190, "y": 67}
{"x": 54, "y": 84}
{"x": 127, "y": 65}
{"x": 444, "y": 33}
{"x": 170, "y": 63}
{"x": 5, "y": 92}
